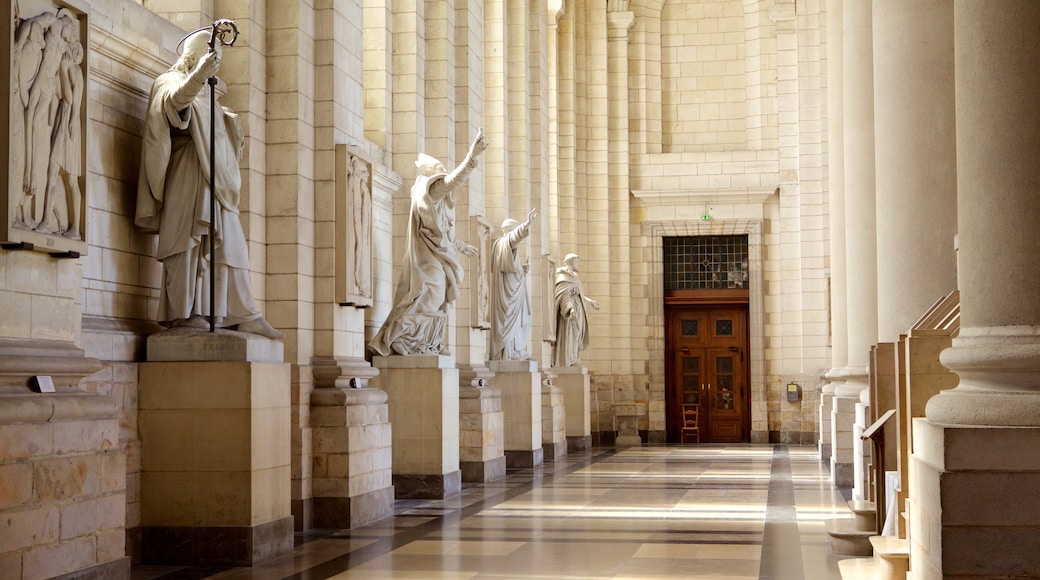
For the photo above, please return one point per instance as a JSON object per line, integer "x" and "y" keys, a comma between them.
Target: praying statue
{"x": 432, "y": 267}
{"x": 173, "y": 197}
{"x": 572, "y": 322}
{"x": 510, "y": 310}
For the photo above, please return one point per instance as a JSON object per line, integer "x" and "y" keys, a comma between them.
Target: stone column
{"x": 861, "y": 282}
{"x": 976, "y": 456}
{"x": 836, "y": 185}
{"x": 622, "y": 367}
{"x": 916, "y": 202}
{"x": 914, "y": 120}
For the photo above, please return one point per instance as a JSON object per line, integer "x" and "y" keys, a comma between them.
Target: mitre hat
{"x": 509, "y": 224}
{"x": 196, "y": 42}
{"x": 427, "y": 161}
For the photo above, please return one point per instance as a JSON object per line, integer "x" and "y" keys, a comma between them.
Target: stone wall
{"x": 62, "y": 486}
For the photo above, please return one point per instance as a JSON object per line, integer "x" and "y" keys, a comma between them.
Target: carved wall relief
{"x": 549, "y": 300}
{"x": 353, "y": 228}
{"x": 480, "y": 236}
{"x": 46, "y": 198}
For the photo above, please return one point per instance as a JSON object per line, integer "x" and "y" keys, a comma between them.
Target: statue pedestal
{"x": 574, "y": 382}
{"x": 554, "y": 422}
{"x": 521, "y": 386}
{"x": 481, "y": 434}
{"x": 423, "y": 398}
{"x": 351, "y": 482}
{"x": 215, "y": 459}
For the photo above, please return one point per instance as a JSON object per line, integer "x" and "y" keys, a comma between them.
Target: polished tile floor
{"x": 707, "y": 511}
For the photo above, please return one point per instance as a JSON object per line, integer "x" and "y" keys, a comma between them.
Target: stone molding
{"x": 65, "y": 363}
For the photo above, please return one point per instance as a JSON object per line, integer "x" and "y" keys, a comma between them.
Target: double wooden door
{"x": 707, "y": 351}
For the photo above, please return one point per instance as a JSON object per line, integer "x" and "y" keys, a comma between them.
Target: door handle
{"x": 684, "y": 349}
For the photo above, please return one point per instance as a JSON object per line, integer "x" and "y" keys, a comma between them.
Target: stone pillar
{"x": 481, "y": 433}
{"x": 836, "y": 185}
{"x": 974, "y": 506}
{"x": 351, "y": 477}
{"x": 554, "y": 419}
{"x": 574, "y": 381}
{"x": 913, "y": 120}
{"x": 860, "y": 244}
{"x": 521, "y": 386}
{"x": 215, "y": 459}
{"x": 622, "y": 368}
{"x": 423, "y": 396}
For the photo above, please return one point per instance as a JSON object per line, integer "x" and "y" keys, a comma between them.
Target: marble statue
{"x": 432, "y": 267}
{"x": 510, "y": 308}
{"x": 572, "y": 323}
{"x": 47, "y": 88}
{"x": 174, "y": 192}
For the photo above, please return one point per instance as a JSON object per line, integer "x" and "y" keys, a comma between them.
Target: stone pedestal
{"x": 574, "y": 382}
{"x": 215, "y": 467}
{"x": 351, "y": 479}
{"x": 628, "y": 415}
{"x": 423, "y": 397}
{"x": 554, "y": 422}
{"x": 843, "y": 417}
{"x": 974, "y": 507}
{"x": 521, "y": 386}
{"x": 481, "y": 434}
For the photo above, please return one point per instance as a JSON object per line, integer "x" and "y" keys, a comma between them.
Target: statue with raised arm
{"x": 173, "y": 197}
{"x": 432, "y": 268}
{"x": 510, "y": 309}
{"x": 572, "y": 323}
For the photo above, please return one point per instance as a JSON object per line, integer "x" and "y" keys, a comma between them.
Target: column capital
{"x": 557, "y": 8}
{"x": 619, "y": 23}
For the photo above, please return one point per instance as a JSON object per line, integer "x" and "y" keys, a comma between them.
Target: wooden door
{"x": 707, "y": 352}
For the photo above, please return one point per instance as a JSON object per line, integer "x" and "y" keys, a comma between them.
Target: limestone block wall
{"x": 62, "y": 487}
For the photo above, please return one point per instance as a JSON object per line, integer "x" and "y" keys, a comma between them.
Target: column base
{"x": 427, "y": 486}
{"x": 481, "y": 434}
{"x": 524, "y": 458}
{"x": 354, "y": 511}
{"x": 575, "y": 384}
{"x": 974, "y": 510}
{"x": 579, "y": 443}
{"x": 483, "y": 471}
{"x": 843, "y": 474}
{"x": 217, "y": 545}
{"x": 554, "y": 451}
{"x": 554, "y": 422}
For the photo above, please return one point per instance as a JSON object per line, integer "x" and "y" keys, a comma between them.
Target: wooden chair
{"x": 691, "y": 421}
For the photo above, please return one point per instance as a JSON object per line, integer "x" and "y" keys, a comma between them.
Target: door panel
{"x": 707, "y": 366}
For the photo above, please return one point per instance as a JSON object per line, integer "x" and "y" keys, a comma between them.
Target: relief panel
{"x": 45, "y": 206}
